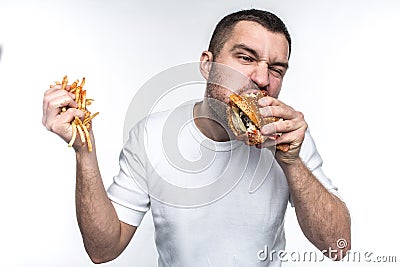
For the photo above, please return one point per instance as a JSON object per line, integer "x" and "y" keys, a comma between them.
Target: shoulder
{"x": 157, "y": 123}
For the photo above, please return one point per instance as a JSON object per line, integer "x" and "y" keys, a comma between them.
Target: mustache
{"x": 232, "y": 80}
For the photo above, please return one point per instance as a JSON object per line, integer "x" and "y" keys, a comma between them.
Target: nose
{"x": 260, "y": 75}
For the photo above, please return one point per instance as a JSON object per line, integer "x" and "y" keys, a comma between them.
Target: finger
{"x": 53, "y": 103}
{"x": 56, "y": 96}
{"x": 294, "y": 138}
{"x": 70, "y": 115}
{"x": 68, "y": 88}
{"x": 284, "y": 112}
{"x": 270, "y": 144}
{"x": 53, "y": 107}
{"x": 50, "y": 91}
{"x": 283, "y": 126}
{"x": 60, "y": 123}
{"x": 56, "y": 88}
{"x": 276, "y": 140}
{"x": 269, "y": 101}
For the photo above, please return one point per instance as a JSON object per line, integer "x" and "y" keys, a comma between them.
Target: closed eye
{"x": 277, "y": 71}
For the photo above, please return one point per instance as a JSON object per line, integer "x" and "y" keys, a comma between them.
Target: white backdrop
{"x": 343, "y": 76}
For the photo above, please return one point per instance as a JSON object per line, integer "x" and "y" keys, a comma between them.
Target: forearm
{"x": 103, "y": 234}
{"x": 96, "y": 216}
{"x": 323, "y": 217}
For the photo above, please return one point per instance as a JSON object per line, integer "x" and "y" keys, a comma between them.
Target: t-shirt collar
{"x": 204, "y": 140}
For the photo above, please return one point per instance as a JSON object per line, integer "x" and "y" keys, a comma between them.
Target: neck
{"x": 208, "y": 124}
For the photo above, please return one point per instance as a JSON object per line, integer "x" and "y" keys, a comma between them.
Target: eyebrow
{"x": 255, "y": 54}
{"x": 280, "y": 64}
{"x": 246, "y": 48}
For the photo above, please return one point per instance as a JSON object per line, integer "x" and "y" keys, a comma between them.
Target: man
{"x": 249, "y": 51}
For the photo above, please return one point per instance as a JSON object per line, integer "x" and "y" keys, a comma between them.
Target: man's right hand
{"x": 60, "y": 122}
{"x": 104, "y": 236}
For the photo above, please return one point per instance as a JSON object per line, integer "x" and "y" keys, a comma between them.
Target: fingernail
{"x": 267, "y": 129}
{"x": 262, "y": 101}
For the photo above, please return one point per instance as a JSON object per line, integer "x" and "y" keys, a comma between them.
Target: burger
{"x": 245, "y": 120}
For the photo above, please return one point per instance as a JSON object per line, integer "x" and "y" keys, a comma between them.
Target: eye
{"x": 246, "y": 59}
{"x": 277, "y": 72}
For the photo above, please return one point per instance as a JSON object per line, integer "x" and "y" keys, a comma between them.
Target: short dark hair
{"x": 224, "y": 28}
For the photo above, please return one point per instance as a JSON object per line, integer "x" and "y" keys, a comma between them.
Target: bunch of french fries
{"x": 78, "y": 126}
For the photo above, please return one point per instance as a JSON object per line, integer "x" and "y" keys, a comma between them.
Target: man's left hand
{"x": 293, "y": 128}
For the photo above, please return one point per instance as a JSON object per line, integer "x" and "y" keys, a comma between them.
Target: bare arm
{"x": 104, "y": 236}
{"x": 323, "y": 218}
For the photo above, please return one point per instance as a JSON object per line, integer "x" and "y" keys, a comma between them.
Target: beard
{"x": 222, "y": 82}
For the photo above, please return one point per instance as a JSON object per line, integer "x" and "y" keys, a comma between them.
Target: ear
{"x": 206, "y": 61}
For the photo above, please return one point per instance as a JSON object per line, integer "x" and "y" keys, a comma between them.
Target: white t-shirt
{"x": 213, "y": 203}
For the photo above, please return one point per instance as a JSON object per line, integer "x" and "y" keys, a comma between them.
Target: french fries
{"x": 78, "y": 127}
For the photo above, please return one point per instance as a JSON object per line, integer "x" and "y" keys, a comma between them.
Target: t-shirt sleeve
{"x": 313, "y": 161}
{"x": 128, "y": 192}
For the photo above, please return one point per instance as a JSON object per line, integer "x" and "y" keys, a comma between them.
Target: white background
{"x": 343, "y": 75}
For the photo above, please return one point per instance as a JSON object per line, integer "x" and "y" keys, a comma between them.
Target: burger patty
{"x": 241, "y": 121}
{"x": 250, "y": 127}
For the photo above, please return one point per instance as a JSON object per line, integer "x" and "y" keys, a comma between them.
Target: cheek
{"x": 275, "y": 86}
{"x": 223, "y": 81}
{"x": 220, "y": 93}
